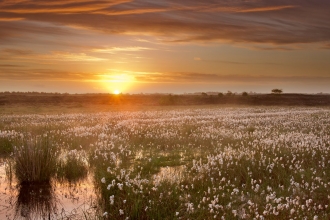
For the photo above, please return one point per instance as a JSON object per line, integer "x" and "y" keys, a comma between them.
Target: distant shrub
{"x": 277, "y": 91}
{"x": 220, "y": 94}
{"x": 229, "y": 93}
{"x": 204, "y": 94}
{"x": 245, "y": 94}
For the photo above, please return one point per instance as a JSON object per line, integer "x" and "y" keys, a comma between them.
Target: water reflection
{"x": 57, "y": 200}
{"x": 36, "y": 202}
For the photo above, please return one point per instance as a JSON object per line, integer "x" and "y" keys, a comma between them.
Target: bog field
{"x": 192, "y": 162}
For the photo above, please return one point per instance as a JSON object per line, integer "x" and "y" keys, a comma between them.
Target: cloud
{"x": 265, "y": 9}
{"x": 190, "y": 77}
{"x": 22, "y": 54}
{"x": 61, "y": 7}
{"x": 217, "y": 61}
{"x": 11, "y": 19}
{"x": 133, "y": 11}
{"x": 29, "y": 31}
{"x": 157, "y": 79}
{"x": 195, "y": 77}
{"x": 10, "y": 66}
{"x": 114, "y": 50}
{"x": 232, "y": 62}
{"x": 66, "y": 56}
{"x": 30, "y": 74}
{"x": 326, "y": 46}
{"x": 276, "y": 22}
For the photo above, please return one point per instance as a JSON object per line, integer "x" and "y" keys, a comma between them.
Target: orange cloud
{"x": 266, "y": 9}
{"x": 11, "y": 19}
{"x": 53, "y": 56}
{"x": 114, "y": 50}
{"x": 32, "y": 7}
{"x": 133, "y": 11}
{"x": 185, "y": 21}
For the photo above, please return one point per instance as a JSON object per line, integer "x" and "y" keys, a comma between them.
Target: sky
{"x": 165, "y": 46}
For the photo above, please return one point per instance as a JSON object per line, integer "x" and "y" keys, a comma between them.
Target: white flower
{"x": 121, "y": 212}
{"x": 103, "y": 180}
{"x": 120, "y": 186}
{"x": 112, "y": 199}
{"x": 315, "y": 217}
{"x": 177, "y": 213}
{"x": 292, "y": 211}
{"x": 105, "y": 214}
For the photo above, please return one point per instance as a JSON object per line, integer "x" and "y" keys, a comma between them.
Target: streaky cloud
{"x": 259, "y": 21}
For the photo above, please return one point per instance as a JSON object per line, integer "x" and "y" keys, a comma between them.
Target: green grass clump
{"x": 72, "y": 168}
{"x": 35, "y": 160}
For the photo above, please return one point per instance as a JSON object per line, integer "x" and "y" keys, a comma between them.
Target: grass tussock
{"x": 73, "y": 167}
{"x": 35, "y": 160}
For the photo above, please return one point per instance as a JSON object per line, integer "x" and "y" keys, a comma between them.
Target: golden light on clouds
{"x": 141, "y": 46}
{"x": 114, "y": 50}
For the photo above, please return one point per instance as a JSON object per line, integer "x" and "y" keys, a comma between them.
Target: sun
{"x": 117, "y": 81}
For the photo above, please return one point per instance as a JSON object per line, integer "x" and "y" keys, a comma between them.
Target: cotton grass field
{"x": 172, "y": 163}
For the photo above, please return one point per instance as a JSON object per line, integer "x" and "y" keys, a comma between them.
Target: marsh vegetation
{"x": 177, "y": 163}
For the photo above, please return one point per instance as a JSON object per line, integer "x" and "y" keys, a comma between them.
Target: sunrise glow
{"x": 115, "y": 81}
{"x": 159, "y": 47}
{"x": 165, "y": 109}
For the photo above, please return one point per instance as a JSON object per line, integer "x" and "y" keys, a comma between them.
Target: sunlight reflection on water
{"x": 48, "y": 201}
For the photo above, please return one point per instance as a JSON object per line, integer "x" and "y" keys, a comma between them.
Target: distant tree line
{"x": 220, "y": 94}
